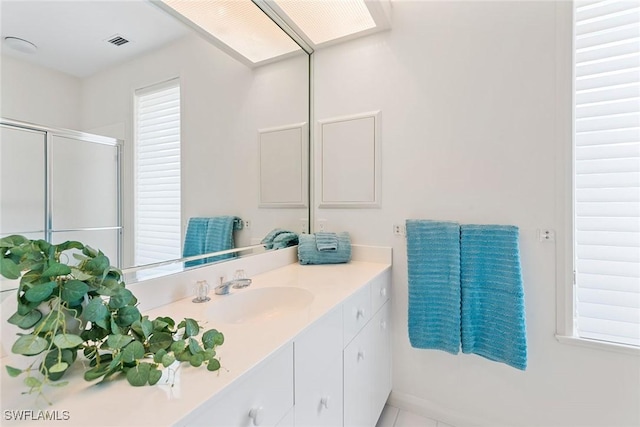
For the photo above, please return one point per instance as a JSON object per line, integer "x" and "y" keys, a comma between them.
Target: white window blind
{"x": 157, "y": 174}
{"x": 607, "y": 170}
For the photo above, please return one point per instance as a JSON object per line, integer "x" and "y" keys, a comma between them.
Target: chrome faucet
{"x": 239, "y": 281}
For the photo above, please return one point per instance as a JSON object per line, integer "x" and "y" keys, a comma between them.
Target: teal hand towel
{"x": 433, "y": 260}
{"x": 308, "y": 252}
{"x": 493, "y": 309}
{"x": 326, "y": 241}
{"x": 194, "y": 239}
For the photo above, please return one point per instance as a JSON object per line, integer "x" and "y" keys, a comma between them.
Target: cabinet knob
{"x": 360, "y": 313}
{"x": 360, "y": 355}
{"x": 383, "y": 292}
{"x": 256, "y": 415}
{"x": 324, "y": 402}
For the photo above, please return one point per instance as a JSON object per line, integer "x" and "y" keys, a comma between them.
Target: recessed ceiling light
{"x": 21, "y": 45}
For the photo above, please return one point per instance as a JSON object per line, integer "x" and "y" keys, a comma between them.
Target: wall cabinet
{"x": 337, "y": 372}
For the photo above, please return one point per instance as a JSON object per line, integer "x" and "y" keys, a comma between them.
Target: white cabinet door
{"x": 381, "y": 346}
{"x": 262, "y": 398}
{"x": 358, "y": 380}
{"x": 318, "y": 373}
{"x": 367, "y": 371}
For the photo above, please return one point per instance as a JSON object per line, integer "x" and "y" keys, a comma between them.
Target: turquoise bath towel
{"x": 433, "y": 257}
{"x": 212, "y": 234}
{"x": 308, "y": 252}
{"x": 493, "y": 311}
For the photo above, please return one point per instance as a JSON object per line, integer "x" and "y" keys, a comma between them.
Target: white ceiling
{"x": 71, "y": 35}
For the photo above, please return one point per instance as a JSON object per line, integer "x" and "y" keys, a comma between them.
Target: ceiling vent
{"x": 117, "y": 40}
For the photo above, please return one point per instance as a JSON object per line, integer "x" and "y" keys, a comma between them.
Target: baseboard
{"x": 429, "y": 409}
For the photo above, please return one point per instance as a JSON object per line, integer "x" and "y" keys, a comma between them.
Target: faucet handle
{"x": 202, "y": 291}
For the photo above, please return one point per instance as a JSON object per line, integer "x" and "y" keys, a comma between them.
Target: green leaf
{"x": 133, "y": 351}
{"x": 58, "y": 367}
{"x": 74, "y": 290}
{"x": 194, "y": 347}
{"x": 168, "y": 359}
{"x": 121, "y": 299}
{"x": 89, "y": 251}
{"x": 32, "y": 382}
{"x": 115, "y": 330}
{"x": 69, "y": 244}
{"x": 26, "y": 321}
{"x": 139, "y": 375}
{"x": 213, "y": 365}
{"x": 209, "y": 354}
{"x": 67, "y": 341}
{"x": 79, "y": 274}
{"x": 13, "y": 240}
{"x": 59, "y": 383}
{"x": 118, "y": 341}
{"x": 127, "y": 315}
{"x": 95, "y": 373}
{"x": 157, "y": 357}
{"x": 41, "y": 292}
{"x": 98, "y": 265}
{"x": 56, "y": 269}
{"x": 212, "y": 338}
{"x": 196, "y": 360}
{"x": 191, "y": 327}
{"x": 13, "y": 372}
{"x": 154, "y": 376}
{"x": 9, "y": 269}
{"x": 29, "y": 345}
{"x": 147, "y": 327}
{"x": 160, "y": 340}
{"x": 52, "y": 322}
{"x": 178, "y": 346}
{"x": 166, "y": 321}
{"x": 95, "y": 310}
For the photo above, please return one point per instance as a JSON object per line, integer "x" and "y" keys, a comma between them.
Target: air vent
{"x": 117, "y": 40}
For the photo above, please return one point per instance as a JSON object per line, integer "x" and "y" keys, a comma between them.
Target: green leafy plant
{"x": 84, "y": 306}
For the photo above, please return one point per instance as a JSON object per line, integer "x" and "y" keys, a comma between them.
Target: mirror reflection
{"x": 189, "y": 123}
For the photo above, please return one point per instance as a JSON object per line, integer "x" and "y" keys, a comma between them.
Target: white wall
{"x": 468, "y": 95}
{"x": 39, "y": 95}
{"x": 224, "y": 103}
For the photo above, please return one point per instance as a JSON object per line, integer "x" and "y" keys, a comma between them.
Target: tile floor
{"x": 394, "y": 417}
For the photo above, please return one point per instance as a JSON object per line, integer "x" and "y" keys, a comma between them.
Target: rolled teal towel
{"x": 327, "y": 241}
{"x": 308, "y": 252}
{"x": 433, "y": 260}
{"x": 493, "y": 309}
{"x": 279, "y": 238}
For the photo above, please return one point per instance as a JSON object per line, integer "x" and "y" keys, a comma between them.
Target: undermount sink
{"x": 258, "y": 305}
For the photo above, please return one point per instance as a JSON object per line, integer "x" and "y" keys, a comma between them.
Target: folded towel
{"x": 284, "y": 240}
{"x": 308, "y": 252}
{"x": 327, "y": 241}
{"x": 433, "y": 259}
{"x": 493, "y": 313}
{"x": 279, "y": 238}
{"x": 205, "y": 235}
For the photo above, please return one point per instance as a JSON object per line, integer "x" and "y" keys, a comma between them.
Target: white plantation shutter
{"x": 157, "y": 174}
{"x": 607, "y": 170}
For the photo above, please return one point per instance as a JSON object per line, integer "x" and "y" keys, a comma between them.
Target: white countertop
{"x": 116, "y": 403}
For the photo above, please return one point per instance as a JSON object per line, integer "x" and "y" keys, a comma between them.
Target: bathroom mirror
{"x": 106, "y": 51}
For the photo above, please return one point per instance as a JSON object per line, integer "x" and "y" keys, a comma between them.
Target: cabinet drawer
{"x": 357, "y": 312}
{"x": 380, "y": 290}
{"x": 319, "y": 344}
{"x": 262, "y": 398}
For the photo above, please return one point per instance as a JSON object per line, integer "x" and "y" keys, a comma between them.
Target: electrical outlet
{"x": 304, "y": 226}
{"x": 399, "y": 229}
{"x": 547, "y": 235}
{"x": 322, "y": 225}
{"x": 247, "y": 223}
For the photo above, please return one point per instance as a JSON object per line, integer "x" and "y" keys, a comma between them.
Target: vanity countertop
{"x": 116, "y": 403}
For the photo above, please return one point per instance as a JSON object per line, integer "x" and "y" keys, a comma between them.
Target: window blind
{"x": 157, "y": 174}
{"x": 607, "y": 170}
